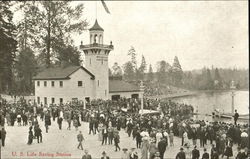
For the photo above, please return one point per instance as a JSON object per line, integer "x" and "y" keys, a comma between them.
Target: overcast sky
{"x": 200, "y": 33}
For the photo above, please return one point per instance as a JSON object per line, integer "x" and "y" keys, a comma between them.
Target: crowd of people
{"x": 152, "y": 133}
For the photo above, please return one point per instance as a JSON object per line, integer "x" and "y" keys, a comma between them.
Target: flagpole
{"x": 95, "y": 9}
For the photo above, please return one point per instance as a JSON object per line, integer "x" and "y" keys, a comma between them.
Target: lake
{"x": 206, "y": 102}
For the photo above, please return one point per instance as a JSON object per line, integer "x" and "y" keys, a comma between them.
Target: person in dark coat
{"x": 59, "y": 121}
{"x": 228, "y": 151}
{"x": 205, "y": 154}
{"x": 38, "y": 134}
{"x": 91, "y": 126}
{"x": 195, "y": 153}
{"x": 96, "y": 126}
{"x": 30, "y": 137}
{"x": 25, "y": 119}
{"x": 117, "y": 141}
{"x": 236, "y": 116}
{"x": 181, "y": 154}
{"x": 138, "y": 139}
{"x": 86, "y": 155}
{"x": 104, "y": 155}
{"x": 129, "y": 128}
{"x": 104, "y": 136}
{"x": 47, "y": 121}
{"x": 215, "y": 155}
{"x": 80, "y": 138}
{"x": 3, "y": 136}
{"x": 162, "y": 147}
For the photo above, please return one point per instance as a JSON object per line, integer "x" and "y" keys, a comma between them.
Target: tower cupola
{"x": 96, "y": 34}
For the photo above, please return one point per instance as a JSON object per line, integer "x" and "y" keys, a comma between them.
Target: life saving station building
{"x": 84, "y": 83}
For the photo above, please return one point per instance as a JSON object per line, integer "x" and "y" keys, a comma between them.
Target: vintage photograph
{"x": 109, "y": 79}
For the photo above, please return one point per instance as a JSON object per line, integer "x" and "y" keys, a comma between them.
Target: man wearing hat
{"x": 181, "y": 154}
{"x": 86, "y": 155}
{"x": 195, "y": 153}
{"x": 162, "y": 147}
{"x": 125, "y": 154}
{"x": 104, "y": 155}
{"x": 205, "y": 154}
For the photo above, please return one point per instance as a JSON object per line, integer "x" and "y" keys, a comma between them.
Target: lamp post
{"x": 84, "y": 102}
{"x": 142, "y": 90}
{"x": 232, "y": 87}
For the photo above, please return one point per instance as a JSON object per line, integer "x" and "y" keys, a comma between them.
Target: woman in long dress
{"x": 100, "y": 128}
{"x": 144, "y": 148}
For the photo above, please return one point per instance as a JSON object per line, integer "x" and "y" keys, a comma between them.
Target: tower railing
{"x": 96, "y": 45}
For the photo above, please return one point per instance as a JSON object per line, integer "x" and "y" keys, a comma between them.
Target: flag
{"x": 105, "y": 6}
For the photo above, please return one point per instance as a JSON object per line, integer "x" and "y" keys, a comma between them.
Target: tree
{"x": 8, "y": 46}
{"x": 209, "y": 80}
{"x": 53, "y": 23}
{"x": 177, "y": 73}
{"x": 132, "y": 53}
{"x": 217, "y": 79}
{"x": 128, "y": 70}
{"x": 162, "y": 71}
{"x": 69, "y": 55}
{"x": 150, "y": 73}
{"x": 26, "y": 69}
{"x": 116, "y": 70}
{"x": 142, "y": 68}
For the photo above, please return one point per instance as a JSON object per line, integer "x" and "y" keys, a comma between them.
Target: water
{"x": 206, "y": 102}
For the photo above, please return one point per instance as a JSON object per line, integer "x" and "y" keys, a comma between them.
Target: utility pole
{"x": 232, "y": 87}
{"x": 142, "y": 90}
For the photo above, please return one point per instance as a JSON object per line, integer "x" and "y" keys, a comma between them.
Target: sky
{"x": 199, "y": 33}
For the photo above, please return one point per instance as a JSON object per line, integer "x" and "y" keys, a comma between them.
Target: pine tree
{"x": 217, "y": 79}
{"x": 26, "y": 69}
{"x": 132, "y": 54}
{"x": 150, "y": 73}
{"x": 142, "y": 68}
{"x": 8, "y": 46}
{"x": 128, "y": 70}
{"x": 177, "y": 73}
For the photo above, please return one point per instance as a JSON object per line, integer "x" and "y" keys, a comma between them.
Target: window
{"x": 45, "y": 100}
{"x": 45, "y": 83}
{"x": 38, "y": 83}
{"x": 52, "y": 100}
{"x": 98, "y": 83}
{"x": 61, "y": 100}
{"x": 79, "y": 83}
{"x": 105, "y": 92}
{"x": 38, "y": 100}
{"x": 61, "y": 83}
{"x": 89, "y": 61}
{"x": 52, "y": 83}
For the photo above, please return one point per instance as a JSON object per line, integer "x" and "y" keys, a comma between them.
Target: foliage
{"x": 8, "y": 46}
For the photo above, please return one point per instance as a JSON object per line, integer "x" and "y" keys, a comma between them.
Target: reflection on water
{"x": 206, "y": 102}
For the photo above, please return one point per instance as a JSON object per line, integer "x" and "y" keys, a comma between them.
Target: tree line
{"x": 173, "y": 75}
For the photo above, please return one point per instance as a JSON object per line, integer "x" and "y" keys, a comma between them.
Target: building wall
{"x": 97, "y": 64}
{"x": 125, "y": 94}
{"x": 69, "y": 90}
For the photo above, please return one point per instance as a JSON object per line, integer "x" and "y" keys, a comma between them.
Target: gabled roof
{"x": 58, "y": 73}
{"x": 96, "y": 26}
{"x": 122, "y": 86}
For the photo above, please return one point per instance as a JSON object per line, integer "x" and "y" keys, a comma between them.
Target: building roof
{"x": 122, "y": 86}
{"x": 96, "y": 26}
{"x": 58, "y": 73}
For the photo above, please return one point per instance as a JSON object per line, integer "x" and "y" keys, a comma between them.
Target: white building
{"x": 64, "y": 84}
